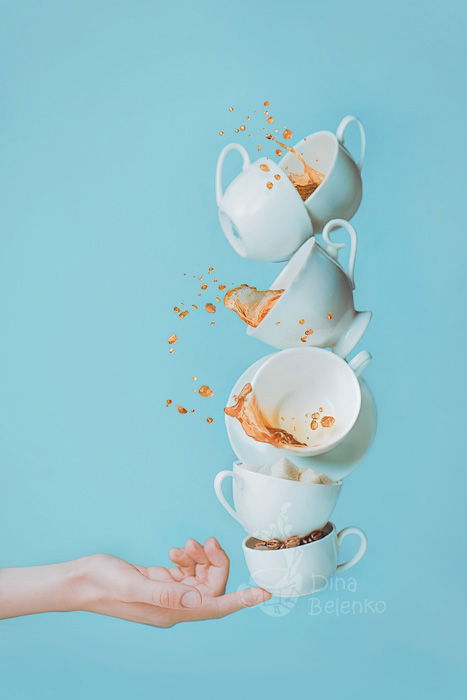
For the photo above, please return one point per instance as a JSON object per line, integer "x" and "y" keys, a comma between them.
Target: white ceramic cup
{"x": 340, "y": 193}
{"x": 301, "y": 570}
{"x": 261, "y": 223}
{"x": 267, "y": 506}
{"x": 316, "y": 287}
{"x": 293, "y": 383}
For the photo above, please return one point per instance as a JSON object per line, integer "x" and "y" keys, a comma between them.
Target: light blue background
{"x": 108, "y": 133}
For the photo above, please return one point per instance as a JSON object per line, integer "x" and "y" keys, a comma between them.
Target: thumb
{"x": 168, "y": 594}
{"x": 232, "y": 602}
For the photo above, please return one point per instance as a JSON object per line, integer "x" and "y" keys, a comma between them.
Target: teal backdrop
{"x": 109, "y": 121}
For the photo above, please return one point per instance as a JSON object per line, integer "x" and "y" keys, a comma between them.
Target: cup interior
{"x": 295, "y": 383}
{"x": 319, "y": 150}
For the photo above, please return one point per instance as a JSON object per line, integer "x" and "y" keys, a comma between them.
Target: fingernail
{"x": 253, "y": 596}
{"x": 191, "y": 599}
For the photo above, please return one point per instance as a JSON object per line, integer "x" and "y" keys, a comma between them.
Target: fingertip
{"x": 255, "y": 596}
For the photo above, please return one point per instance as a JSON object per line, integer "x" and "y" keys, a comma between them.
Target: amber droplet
{"x": 231, "y": 109}
{"x": 265, "y": 167}
{"x": 236, "y": 131}
{"x": 309, "y": 331}
{"x": 194, "y": 306}
{"x": 222, "y": 286}
{"x": 327, "y": 421}
{"x": 200, "y": 277}
{"x": 183, "y": 314}
{"x": 221, "y": 133}
{"x": 242, "y": 127}
{"x": 267, "y": 103}
{"x": 209, "y": 419}
{"x": 269, "y": 136}
{"x": 330, "y": 315}
{"x": 210, "y": 308}
{"x": 172, "y": 351}
{"x": 248, "y": 119}
{"x": 302, "y": 321}
{"x": 304, "y": 338}
{"x": 180, "y": 409}
{"x": 210, "y": 269}
{"x": 205, "y": 391}
{"x": 277, "y": 176}
{"x": 315, "y": 415}
{"x": 278, "y": 152}
{"x": 168, "y": 402}
{"x": 172, "y": 339}
{"x": 269, "y": 185}
{"x": 204, "y": 286}
{"x": 270, "y": 120}
{"x": 321, "y": 409}
{"x": 217, "y": 299}
{"x": 192, "y": 410}
{"x": 314, "y": 425}
{"x": 287, "y": 134}
{"x": 213, "y": 323}
{"x": 176, "y": 309}
{"x": 277, "y": 323}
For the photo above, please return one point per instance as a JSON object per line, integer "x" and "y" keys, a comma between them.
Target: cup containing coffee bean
{"x": 297, "y": 566}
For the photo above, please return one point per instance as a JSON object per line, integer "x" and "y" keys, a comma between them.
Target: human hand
{"x": 193, "y": 589}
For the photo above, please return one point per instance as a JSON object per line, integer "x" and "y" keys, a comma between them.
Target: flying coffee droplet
{"x": 236, "y": 131}
{"x": 309, "y": 331}
{"x": 315, "y": 415}
{"x": 183, "y": 314}
{"x": 265, "y": 167}
{"x": 204, "y": 286}
{"x": 222, "y": 286}
{"x": 267, "y": 103}
{"x": 278, "y": 152}
{"x": 231, "y": 109}
{"x": 277, "y": 176}
{"x": 269, "y": 136}
{"x": 287, "y": 134}
{"x": 327, "y": 421}
{"x": 304, "y": 338}
{"x": 248, "y": 119}
{"x": 242, "y": 127}
{"x": 330, "y": 316}
{"x": 270, "y": 120}
{"x": 314, "y": 425}
{"x": 205, "y": 391}
{"x": 302, "y": 321}
{"x": 210, "y": 308}
{"x": 269, "y": 185}
{"x": 168, "y": 402}
{"x": 176, "y": 309}
{"x": 180, "y": 409}
{"x": 172, "y": 339}
{"x": 221, "y": 133}
{"x": 209, "y": 419}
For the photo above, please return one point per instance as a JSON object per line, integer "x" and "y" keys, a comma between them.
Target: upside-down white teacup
{"x": 259, "y": 222}
{"x": 301, "y": 570}
{"x": 317, "y": 304}
{"x": 267, "y": 506}
{"x": 292, "y": 384}
{"x": 340, "y": 194}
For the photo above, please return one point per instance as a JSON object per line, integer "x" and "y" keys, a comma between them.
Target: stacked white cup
{"x": 275, "y": 224}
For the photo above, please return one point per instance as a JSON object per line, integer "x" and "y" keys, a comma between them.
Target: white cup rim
{"x": 240, "y": 465}
{"x": 288, "y": 549}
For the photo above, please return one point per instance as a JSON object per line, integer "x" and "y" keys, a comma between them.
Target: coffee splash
{"x": 307, "y": 182}
{"x": 247, "y": 411}
{"x": 251, "y": 304}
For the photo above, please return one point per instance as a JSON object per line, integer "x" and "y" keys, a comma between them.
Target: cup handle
{"x": 361, "y": 550}
{"x": 219, "y": 478}
{"x": 360, "y": 362}
{"x": 334, "y": 248}
{"x": 340, "y": 136}
{"x": 220, "y": 164}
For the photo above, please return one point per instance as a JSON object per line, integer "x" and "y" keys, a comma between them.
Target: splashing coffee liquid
{"x": 251, "y": 304}
{"x": 247, "y": 411}
{"x": 307, "y": 182}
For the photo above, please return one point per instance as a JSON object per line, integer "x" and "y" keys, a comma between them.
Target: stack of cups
{"x": 280, "y": 499}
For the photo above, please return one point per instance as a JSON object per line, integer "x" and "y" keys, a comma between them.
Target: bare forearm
{"x": 35, "y": 589}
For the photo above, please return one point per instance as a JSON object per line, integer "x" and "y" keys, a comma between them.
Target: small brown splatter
{"x": 213, "y": 323}
{"x": 168, "y": 402}
{"x": 266, "y": 103}
{"x": 180, "y": 409}
{"x": 194, "y": 306}
{"x": 217, "y": 299}
{"x": 176, "y": 309}
{"x": 310, "y": 331}
{"x": 277, "y": 176}
{"x": 321, "y": 409}
{"x": 209, "y": 419}
{"x": 330, "y": 315}
{"x": 172, "y": 339}
{"x": 236, "y": 131}
{"x": 302, "y": 321}
{"x": 221, "y": 133}
{"x": 172, "y": 351}
{"x": 277, "y": 323}
{"x": 315, "y": 415}
{"x": 304, "y": 338}
{"x": 222, "y": 286}
{"x": 204, "y": 286}
{"x": 278, "y": 152}
{"x": 192, "y": 410}
{"x": 270, "y": 120}
{"x": 182, "y": 314}
{"x": 265, "y": 167}
{"x": 269, "y": 136}
{"x": 287, "y": 134}
{"x": 210, "y": 269}
{"x": 242, "y": 127}
{"x": 327, "y": 421}
{"x": 269, "y": 185}
{"x": 314, "y": 425}
{"x": 231, "y": 109}
{"x": 210, "y": 308}
{"x": 200, "y": 277}
{"x": 205, "y": 391}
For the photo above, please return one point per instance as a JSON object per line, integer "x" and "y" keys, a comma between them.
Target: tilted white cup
{"x": 318, "y": 293}
{"x": 292, "y": 384}
{"x": 267, "y": 506}
{"x": 340, "y": 194}
{"x": 301, "y": 570}
{"x": 259, "y": 222}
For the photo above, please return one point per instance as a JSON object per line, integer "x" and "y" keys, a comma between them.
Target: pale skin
{"x": 192, "y": 589}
